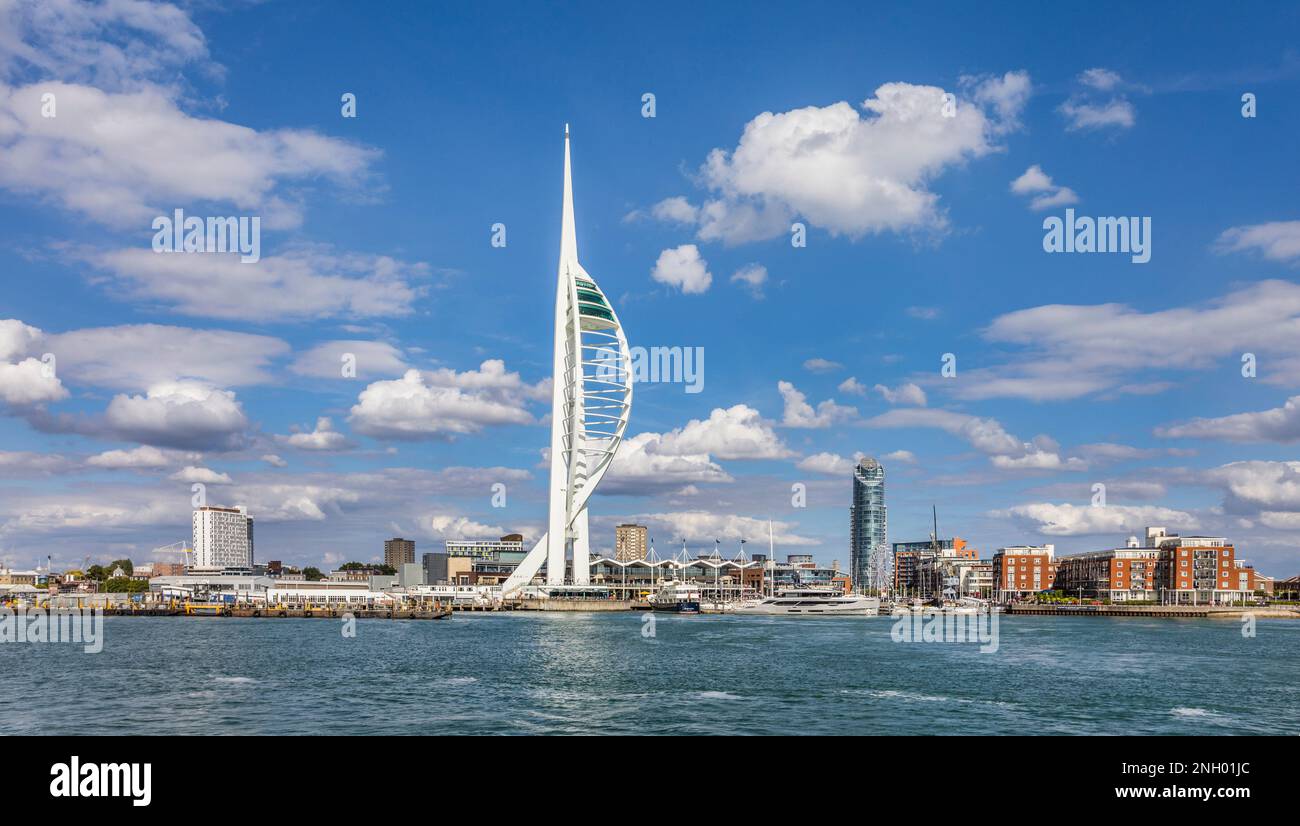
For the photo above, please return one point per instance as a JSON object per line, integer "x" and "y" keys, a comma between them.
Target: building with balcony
{"x": 399, "y": 552}
{"x": 1021, "y": 570}
{"x": 1169, "y": 569}
{"x": 223, "y": 539}
{"x": 923, "y": 568}
{"x": 631, "y": 542}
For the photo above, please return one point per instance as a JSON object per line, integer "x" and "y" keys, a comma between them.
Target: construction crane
{"x": 181, "y": 547}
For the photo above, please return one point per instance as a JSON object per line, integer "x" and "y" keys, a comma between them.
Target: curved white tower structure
{"x": 590, "y": 401}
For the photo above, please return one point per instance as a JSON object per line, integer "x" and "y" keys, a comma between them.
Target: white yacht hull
{"x": 796, "y": 606}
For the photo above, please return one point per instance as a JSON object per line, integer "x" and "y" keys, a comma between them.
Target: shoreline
{"x": 1114, "y": 612}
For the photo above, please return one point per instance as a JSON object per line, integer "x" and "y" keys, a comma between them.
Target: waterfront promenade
{"x": 1157, "y": 611}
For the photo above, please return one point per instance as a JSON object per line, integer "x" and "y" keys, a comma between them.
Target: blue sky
{"x": 924, "y": 237}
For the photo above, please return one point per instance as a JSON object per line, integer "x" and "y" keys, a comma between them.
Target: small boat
{"x": 679, "y": 597}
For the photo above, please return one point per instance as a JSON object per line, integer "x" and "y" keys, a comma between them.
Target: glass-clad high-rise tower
{"x": 867, "y": 526}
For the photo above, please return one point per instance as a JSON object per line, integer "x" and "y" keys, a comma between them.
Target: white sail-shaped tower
{"x": 590, "y": 402}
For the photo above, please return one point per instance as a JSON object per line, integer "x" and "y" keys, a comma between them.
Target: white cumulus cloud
{"x": 799, "y": 413}
{"x": 1034, "y": 181}
{"x": 851, "y": 171}
{"x": 188, "y": 415}
{"x": 683, "y": 268}
{"x": 1052, "y": 519}
{"x": 443, "y": 402}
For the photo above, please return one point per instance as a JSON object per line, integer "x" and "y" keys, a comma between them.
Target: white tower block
{"x": 591, "y": 398}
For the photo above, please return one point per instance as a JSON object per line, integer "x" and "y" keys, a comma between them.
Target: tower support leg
{"x": 581, "y": 550}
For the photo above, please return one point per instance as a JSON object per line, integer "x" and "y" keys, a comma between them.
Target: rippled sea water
{"x": 526, "y": 673}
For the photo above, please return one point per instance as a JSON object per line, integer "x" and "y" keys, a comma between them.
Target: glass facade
{"x": 867, "y": 525}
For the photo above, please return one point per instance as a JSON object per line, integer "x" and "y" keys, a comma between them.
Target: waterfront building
{"x": 509, "y": 544}
{"x": 297, "y": 593}
{"x": 410, "y": 574}
{"x": 1169, "y": 569}
{"x": 718, "y": 579}
{"x": 631, "y": 542}
{"x": 146, "y": 571}
{"x": 435, "y": 568}
{"x": 460, "y": 570}
{"x": 952, "y": 577}
{"x": 399, "y": 552}
{"x": 1287, "y": 589}
{"x": 1118, "y": 574}
{"x": 978, "y": 581}
{"x": 223, "y": 538}
{"x": 800, "y": 571}
{"x": 276, "y": 568}
{"x": 168, "y": 568}
{"x": 1200, "y": 570}
{"x": 12, "y": 577}
{"x": 211, "y": 587}
{"x": 355, "y": 574}
{"x": 868, "y": 529}
{"x": 1021, "y": 570}
{"x": 268, "y": 592}
{"x": 591, "y": 399}
{"x": 479, "y": 562}
{"x": 919, "y": 565}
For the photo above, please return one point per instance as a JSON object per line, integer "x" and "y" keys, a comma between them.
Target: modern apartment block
{"x": 399, "y": 552}
{"x": 482, "y": 562}
{"x": 223, "y": 538}
{"x": 868, "y": 525}
{"x": 483, "y": 548}
{"x": 1118, "y": 574}
{"x": 1169, "y": 569}
{"x": 631, "y": 542}
{"x": 1020, "y": 570}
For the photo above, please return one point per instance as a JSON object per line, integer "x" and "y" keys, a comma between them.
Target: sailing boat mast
{"x": 771, "y": 558}
{"x": 934, "y": 544}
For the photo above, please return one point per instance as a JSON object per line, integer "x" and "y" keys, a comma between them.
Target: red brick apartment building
{"x": 1191, "y": 570}
{"x": 1022, "y": 570}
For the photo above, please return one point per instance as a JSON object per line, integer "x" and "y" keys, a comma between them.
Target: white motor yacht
{"x": 813, "y": 602}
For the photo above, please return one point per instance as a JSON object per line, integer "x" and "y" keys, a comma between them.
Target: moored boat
{"x": 813, "y": 602}
{"x": 679, "y": 597}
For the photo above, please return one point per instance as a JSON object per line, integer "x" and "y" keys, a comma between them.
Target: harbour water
{"x": 528, "y": 673}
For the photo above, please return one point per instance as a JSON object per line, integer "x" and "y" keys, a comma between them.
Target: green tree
{"x": 124, "y": 585}
{"x": 387, "y": 570}
{"x": 312, "y": 574}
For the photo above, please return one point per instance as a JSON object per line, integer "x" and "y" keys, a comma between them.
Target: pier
{"x": 195, "y": 609}
{"x": 574, "y": 605}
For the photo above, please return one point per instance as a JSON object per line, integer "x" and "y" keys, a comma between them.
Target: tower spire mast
{"x": 568, "y": 232}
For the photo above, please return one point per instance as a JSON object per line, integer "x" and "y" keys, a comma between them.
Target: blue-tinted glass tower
{"x": 867, "y": 526}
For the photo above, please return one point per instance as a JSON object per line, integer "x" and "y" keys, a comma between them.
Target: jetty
{"x": 218, "y": 609}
